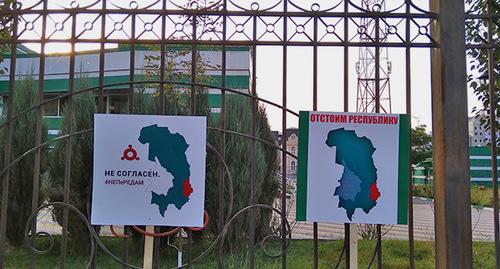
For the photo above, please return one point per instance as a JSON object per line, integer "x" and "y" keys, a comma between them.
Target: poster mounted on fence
{"x": 353, "y": 168}
{"x": 149, "y": 170}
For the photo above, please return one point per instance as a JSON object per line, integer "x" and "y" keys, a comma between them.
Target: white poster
{"x": 149, "y": 170}
{"x": 353, "y": 168}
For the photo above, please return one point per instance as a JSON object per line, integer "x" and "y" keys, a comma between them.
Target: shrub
{"x": 83, "y": 111}
{"x": 238, "y": 119}
{"x": 21, "y": 174}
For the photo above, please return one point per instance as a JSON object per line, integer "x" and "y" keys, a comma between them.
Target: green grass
{"x": 481, "y": 196}
{"x": 300, "y": 255}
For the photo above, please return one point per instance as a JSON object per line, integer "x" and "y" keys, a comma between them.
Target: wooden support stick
{"x": 353, "y": 246}
{"x": 148, "y": 248}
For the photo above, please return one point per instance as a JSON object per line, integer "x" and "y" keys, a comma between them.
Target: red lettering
{"x": 313, "y": 118}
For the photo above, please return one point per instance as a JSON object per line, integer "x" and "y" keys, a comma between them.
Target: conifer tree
{"x": 21, "y": 174}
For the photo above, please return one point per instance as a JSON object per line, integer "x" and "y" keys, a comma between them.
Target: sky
{"x": 330, "y": 75}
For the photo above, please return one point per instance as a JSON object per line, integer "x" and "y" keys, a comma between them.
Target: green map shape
{"x": 170, "y": 149}
{"x": 355, "y": 154}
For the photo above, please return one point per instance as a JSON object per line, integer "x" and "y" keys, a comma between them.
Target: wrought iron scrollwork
{"x": 133, "y": 21}
{"x": 95, "y": 239}
{"x": 316, "y": 6}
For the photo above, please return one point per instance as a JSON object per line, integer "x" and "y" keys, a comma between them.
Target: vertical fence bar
{"x": 132, "y": 67}
{"x": 8, "y": 136}
{"x": 162, "y": 59}
{"x": 315, "y": 64}
{"x": 379, "y": 246}
{"x": 157, "y": 242}
{"x": 222, "y": 125}
{"x": 315, "y": 245}
{"x": 193, "y": 110}
{"x": 126, "y": 241}
{"x": 161, "y": 75}
{"x": 38, "y": 129}
{"x": 253, "y": 101}
{"x": 377, "y": 110}
{"x": 347, "y": 232}
{"x": 493, "y": 128}
{"x": 315, "y": 107}
{"x": 101, "y": 104}
{"x": 69, "y": 148}
{"x": 347, "y": 240}
{"x": 283, "y": 136}
{"x": 453, "y": 231}
{"x": 411, "y": 238}
{"x": 377, "y": 64}
{"x": 346, "y": 56}
{"x": 194, "y": 54}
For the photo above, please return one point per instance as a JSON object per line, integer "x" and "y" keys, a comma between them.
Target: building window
{"x": 118, "y": 104}
{"x": 293, "y": 150}
{"x": 1, "y": 105}
{"x": 51, "y": 108}
{"x": 292, "y": 166}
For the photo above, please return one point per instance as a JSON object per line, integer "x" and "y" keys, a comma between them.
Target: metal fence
{"x": 284, "y": 24}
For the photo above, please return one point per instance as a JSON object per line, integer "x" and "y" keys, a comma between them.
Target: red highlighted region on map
{"x": 374, "y": 193}
{"x": 186, "y": 188}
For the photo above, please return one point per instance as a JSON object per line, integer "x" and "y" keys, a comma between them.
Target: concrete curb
{"x": 472, "y": 206}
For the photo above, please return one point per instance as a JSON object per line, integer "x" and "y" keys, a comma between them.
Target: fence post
{"x": 450, "y": 137}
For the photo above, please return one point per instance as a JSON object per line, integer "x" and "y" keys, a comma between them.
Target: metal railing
{"x": 283, "y": 24}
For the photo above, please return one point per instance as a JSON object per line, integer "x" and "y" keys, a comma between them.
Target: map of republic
{"x": 358, "y": 184}
{"x": 170, "y": 150}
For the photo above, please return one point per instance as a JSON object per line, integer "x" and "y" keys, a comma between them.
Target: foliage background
{"x": 421, "y": 144}
{"x": 146, "y": 100}
{"x": 238, "y": 158}
{"x": 21, "y": 174}
{"x": 84, "y": 107}
{"x": 476, "y": 33}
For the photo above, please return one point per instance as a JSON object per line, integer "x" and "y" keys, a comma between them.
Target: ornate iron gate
{"x": 282, "y": 24}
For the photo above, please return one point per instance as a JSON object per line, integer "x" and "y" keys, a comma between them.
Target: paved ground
{"x": 46, "y": 224}
{"x": 482, "y": 222}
